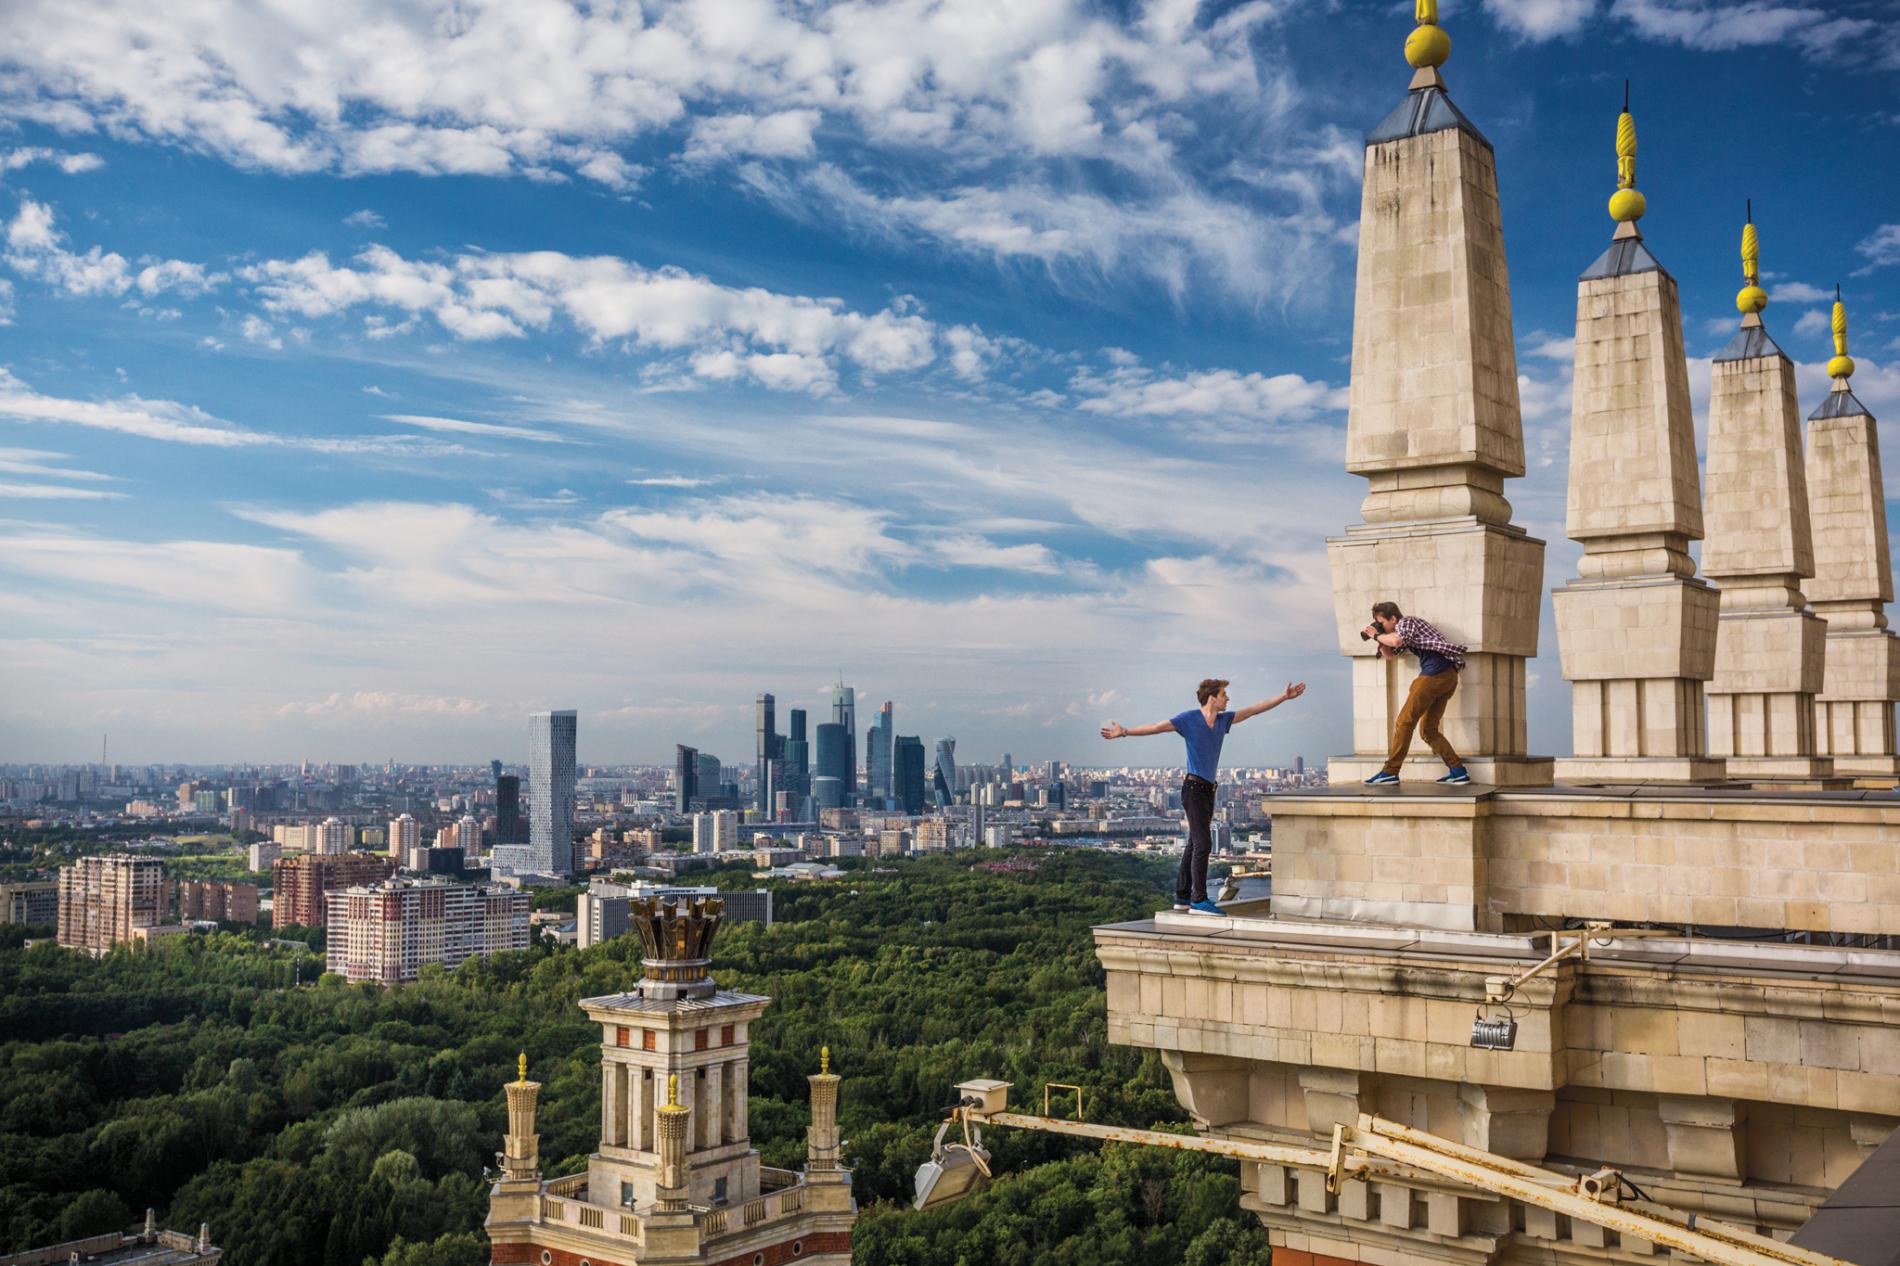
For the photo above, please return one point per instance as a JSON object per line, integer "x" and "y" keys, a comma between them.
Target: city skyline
{"x": 327, "y": 394}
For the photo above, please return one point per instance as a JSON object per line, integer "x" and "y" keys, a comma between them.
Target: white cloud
{"x": 786, "y": 134}
{"x": 787, "y": 342}
{"x": 1541, "y": 19}
{"x": 538, "y": 87}
{"x": 1176, "y": 237}
{"x": 474, "y": 428}
{"x": 70, "y": 163}
{"x": 969, "y": 550}
{"x": 1797, "y": 291}
{"x": 56, "y": 492}
{"x": 1132, "y": 390}
{"x": 365, "y": 219}
{"x": 1813, "y": 321}
{"x": 1881, "y": 247}
{"x": 37, "y": 248}
{"x": 261, "y": 332}
{"x": 384, "y": 703}
{"x": 1716, "y": 26}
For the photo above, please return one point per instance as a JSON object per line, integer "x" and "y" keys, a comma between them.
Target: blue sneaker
{"x": 1382, "y": 779}
{"x": 1456, "y": 778}
{"x": 1208, "y": 907}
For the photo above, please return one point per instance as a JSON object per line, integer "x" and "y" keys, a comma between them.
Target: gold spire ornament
{"x": 1626, "y": 204}
{"x": 1751, "y": 298}
{"x": 824, "y": 1052}
{"x": 1428, "y": 45}
{"x": 521, "y": 1068}
{"x": 1841, "y": 368}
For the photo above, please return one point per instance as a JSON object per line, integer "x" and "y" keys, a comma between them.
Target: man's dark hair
{"x": 1386, "y": 611}
{"x": 1209, "y": 688}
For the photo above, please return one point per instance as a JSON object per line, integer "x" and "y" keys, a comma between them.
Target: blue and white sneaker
{"x": 1208, "y": 907}
{"x": 1456, "y": 778}
{"x": 1181, "y": 907}
{"x": 1382, "y": 779}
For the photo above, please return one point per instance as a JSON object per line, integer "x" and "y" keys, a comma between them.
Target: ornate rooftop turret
{"x": 1770, "y": 651}
{"x": 677, "y": 937}
{"x": 1637, "y": 627}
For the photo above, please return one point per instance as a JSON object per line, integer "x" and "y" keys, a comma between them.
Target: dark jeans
{"x": 1197, "y": 801}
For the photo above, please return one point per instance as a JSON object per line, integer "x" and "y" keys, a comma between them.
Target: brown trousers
{"x": 1424, "y": 709}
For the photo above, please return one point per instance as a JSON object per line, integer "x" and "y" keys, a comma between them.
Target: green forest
{"x": 348, "y": 1125}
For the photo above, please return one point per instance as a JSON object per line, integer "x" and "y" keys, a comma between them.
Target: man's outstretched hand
{"x": 1294, "y": 689}
{"x": 1114, "y": 730}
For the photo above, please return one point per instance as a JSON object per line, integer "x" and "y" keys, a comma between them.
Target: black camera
{"x": 1364, "y": 636}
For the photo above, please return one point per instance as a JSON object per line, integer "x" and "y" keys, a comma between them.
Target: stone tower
{"x": 1636, "y": 629}
{"x": 1853, "y": 578}
{"x": 1770, "y": 651}
{"x": 676, "y": 1178}
{"x": 1434, "y": 428}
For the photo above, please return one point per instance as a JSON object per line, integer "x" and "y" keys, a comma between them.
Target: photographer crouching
{"x": 1439, "y": 663}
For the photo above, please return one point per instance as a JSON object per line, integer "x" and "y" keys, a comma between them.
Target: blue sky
{"x": 375, "y": 378}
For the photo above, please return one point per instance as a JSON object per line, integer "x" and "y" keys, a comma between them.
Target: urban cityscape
{"x": 743, "y": 507}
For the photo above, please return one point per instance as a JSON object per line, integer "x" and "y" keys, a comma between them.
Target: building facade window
{"x": 620, "y": 1035}
{"x": 699, "y": 1039}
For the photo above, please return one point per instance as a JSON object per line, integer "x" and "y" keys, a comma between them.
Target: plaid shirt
{"x": 1420, "y": 636}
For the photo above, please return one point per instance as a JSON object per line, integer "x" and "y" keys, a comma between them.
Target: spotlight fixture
{"x": 1493, "y": 1035}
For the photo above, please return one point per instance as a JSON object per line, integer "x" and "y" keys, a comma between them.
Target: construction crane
{"x": 1371, "y": 1147}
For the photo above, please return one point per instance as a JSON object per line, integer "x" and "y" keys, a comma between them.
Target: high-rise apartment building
{"x": 405, "y": 833}
{"x": 844, "y": 711}
{"x": 715, "y": 832}
{"x": 218, "y": 902}
{"x": 507, "y": 809}
{"x": 333, "y": 838}
{"x": 103, "y": 900}
{"x": 907, "y": 773}
{"x": 551, "y": 745}
{"x": 299, "y": 884}
{"x": 387, "y": 932}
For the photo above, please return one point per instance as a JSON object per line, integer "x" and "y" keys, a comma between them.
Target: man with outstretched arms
{"x": 1202, "y": 729}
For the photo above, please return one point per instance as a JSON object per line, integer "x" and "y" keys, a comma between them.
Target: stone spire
{"x": 821, "y": 1138}
{"x": 1636, "y": 629}
{"x": 1435, "y": 430}
{"x": 1770, "y": 649}
{"x": 675, "y": 1122}
{"x": 1853, "y": 578}
{"x": 521, "y": 1148}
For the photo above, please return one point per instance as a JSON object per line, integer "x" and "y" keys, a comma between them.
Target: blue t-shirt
{"x": 1203, "y": 741}
{"x": 1431, "y": 663}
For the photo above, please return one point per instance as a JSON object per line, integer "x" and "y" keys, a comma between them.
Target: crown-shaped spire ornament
{"x": 1841, "y": 367}
{"x": 1751, "y": 298}
{"x": 1626, "y": 204}
{"x": 676, "y": 936}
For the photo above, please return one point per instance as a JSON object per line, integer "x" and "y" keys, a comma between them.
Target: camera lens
{"x": 1364, "y": 636}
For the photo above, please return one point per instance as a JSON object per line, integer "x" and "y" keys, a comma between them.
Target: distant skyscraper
{"x": 907, "y": 773}
{"x": 405, "y": 834}
{"x": 768, "y": 747}
{"x": 1009, "y": 767}
{"x": 844, "y": 711}
{"x": 944, "y": 779}
{"x": 833, "y": 758}
{"x": 826, "y": 791}
{"x": 708, "y": 781}
{"x": 798, "y": 756}
{"x": 494, "y": 768}
{"x": 551, "y": 743}
{"x": 877, "y": 753}
{"x": 507, "y": 809}
{"x": 685, "y": 777}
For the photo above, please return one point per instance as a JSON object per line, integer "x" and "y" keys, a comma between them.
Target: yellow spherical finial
{"x": 1626, "y": 204}
{"x": 672, "y": 1090}
{"x": 1751, "y": 297}
{"x": 1842, "y": 365}
{"x": 1428, "y": 45}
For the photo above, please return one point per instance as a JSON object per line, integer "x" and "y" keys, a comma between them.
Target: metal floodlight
{"x": 954, "y": 1170}
{"x": 1494, "y": 1035}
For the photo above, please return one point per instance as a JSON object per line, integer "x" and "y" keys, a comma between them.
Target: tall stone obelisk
{"x": 1636, "y": 629}
{"x": 1434, "y": 428}
{"x": 1853, "y": 577}
{"x": 1770, "y": 649}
